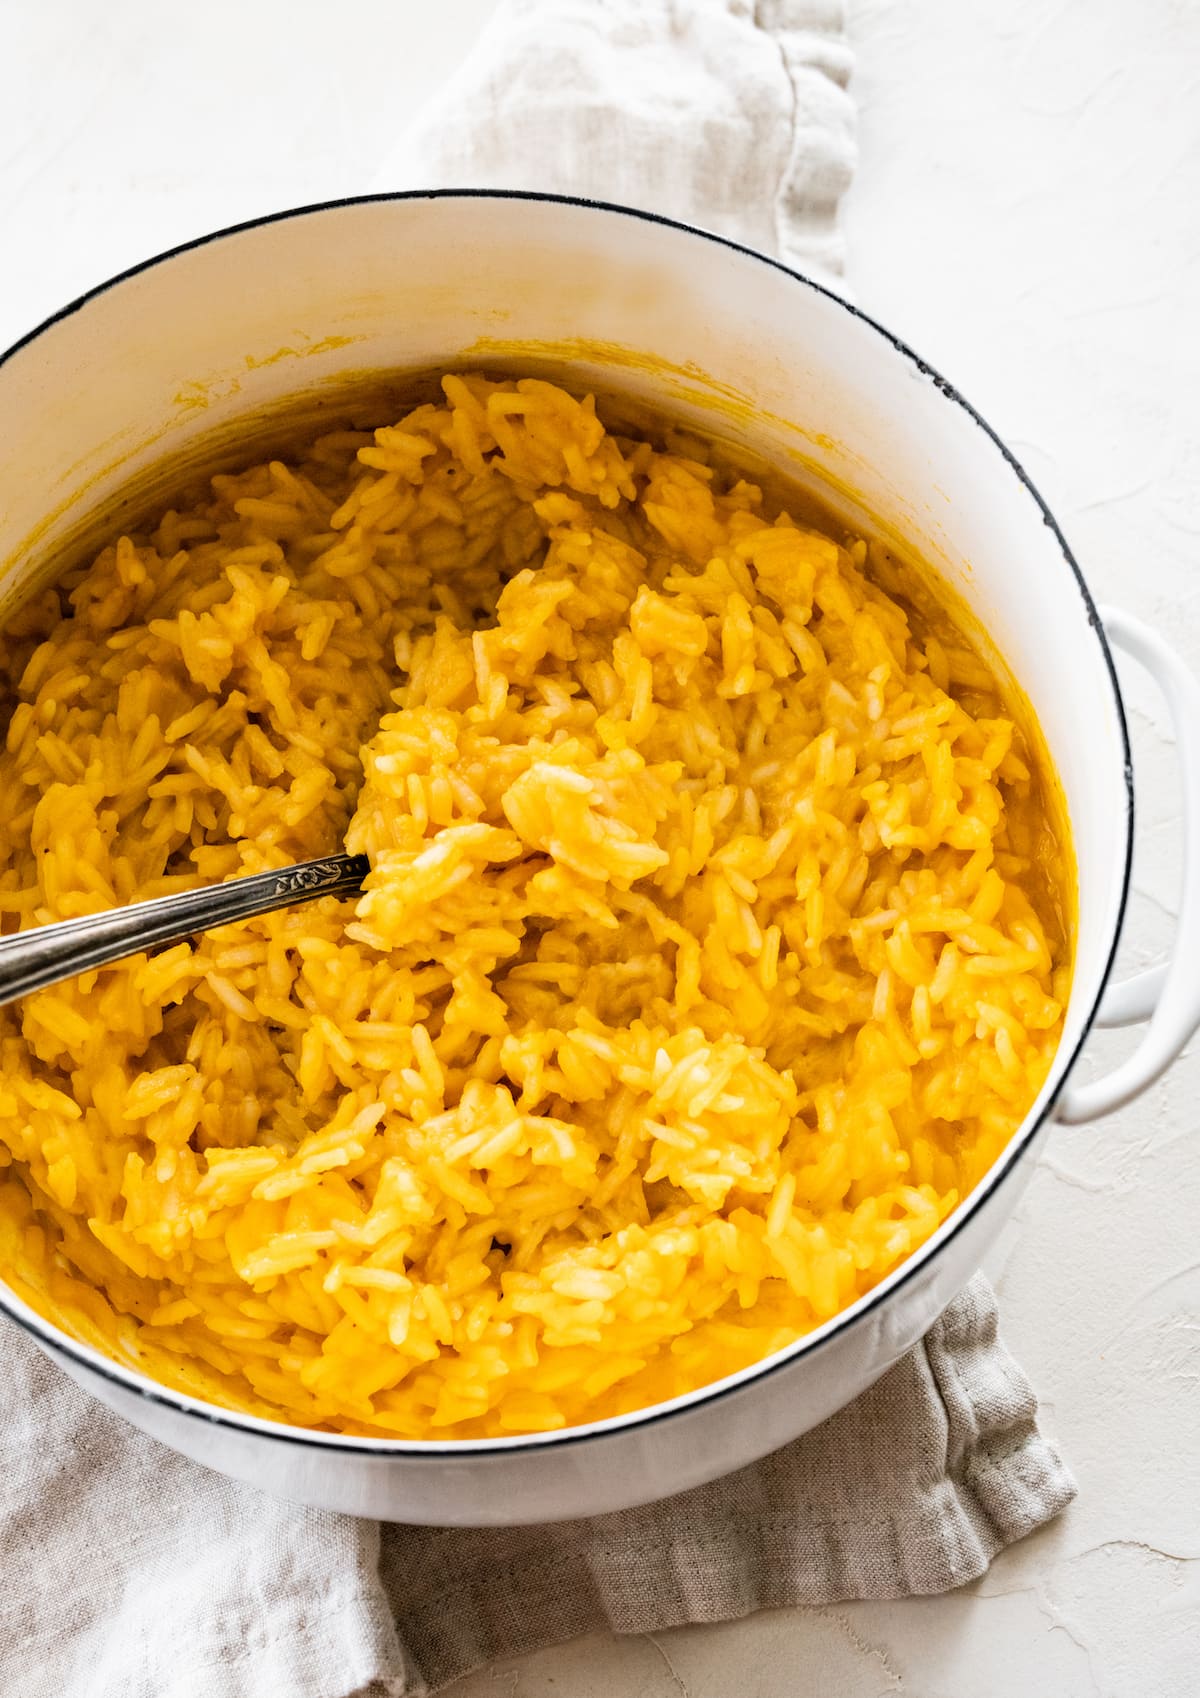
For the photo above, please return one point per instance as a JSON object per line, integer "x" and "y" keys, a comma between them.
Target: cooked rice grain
{"x": 711, "y": 952}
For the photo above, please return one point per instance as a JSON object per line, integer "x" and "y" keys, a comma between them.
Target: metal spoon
{"x": 29, "y": 961}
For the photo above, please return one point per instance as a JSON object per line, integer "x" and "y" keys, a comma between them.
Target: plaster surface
{"x": 1026, "y": 214}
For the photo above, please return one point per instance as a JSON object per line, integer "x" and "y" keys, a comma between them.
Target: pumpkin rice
{"x": 712, "y": 951}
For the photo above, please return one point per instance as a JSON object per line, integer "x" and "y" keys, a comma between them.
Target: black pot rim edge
{"x": 449, "y": 1450}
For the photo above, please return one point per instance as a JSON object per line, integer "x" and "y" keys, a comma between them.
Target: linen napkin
{"x": 128, "y": 1572}
{"x": 732, "y": 114}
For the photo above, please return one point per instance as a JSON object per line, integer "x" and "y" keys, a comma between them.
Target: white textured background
{"x": 1027, "y": 214}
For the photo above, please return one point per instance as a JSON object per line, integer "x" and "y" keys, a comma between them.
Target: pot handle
{"x": 1168, "y": 996}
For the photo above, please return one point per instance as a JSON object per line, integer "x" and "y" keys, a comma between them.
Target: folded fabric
{"x": 725, "y": 113}
{"x": 911, "y": 1490}
{"x": 132, "y": 1573}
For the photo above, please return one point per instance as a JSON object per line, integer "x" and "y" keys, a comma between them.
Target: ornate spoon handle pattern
{"x": 29, "y": 961}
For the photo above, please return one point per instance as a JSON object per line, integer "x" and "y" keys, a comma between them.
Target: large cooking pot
{"x": 166, "y": 362}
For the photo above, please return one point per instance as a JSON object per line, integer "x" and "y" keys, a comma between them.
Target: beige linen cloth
{"x": 127, "y": 1572}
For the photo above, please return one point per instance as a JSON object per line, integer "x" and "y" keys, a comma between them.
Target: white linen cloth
{"x": 128, "y": 1572}
{"x": 732, "y": 114}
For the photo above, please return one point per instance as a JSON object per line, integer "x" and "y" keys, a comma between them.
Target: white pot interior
{"x": 163, "y": 365}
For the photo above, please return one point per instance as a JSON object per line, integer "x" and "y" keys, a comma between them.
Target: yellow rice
{"x": 713, "y": 946}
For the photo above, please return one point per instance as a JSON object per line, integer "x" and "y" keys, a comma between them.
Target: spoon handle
{"x": 29, "y": 961}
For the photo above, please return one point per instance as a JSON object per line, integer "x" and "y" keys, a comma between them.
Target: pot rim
{"x": 444, "y": 1450}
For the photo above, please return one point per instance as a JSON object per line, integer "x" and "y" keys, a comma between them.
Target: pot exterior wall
{"x": 592, "y": 1475}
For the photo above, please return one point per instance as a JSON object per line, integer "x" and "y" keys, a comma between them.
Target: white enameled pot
{"x": 162, "y": 360}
